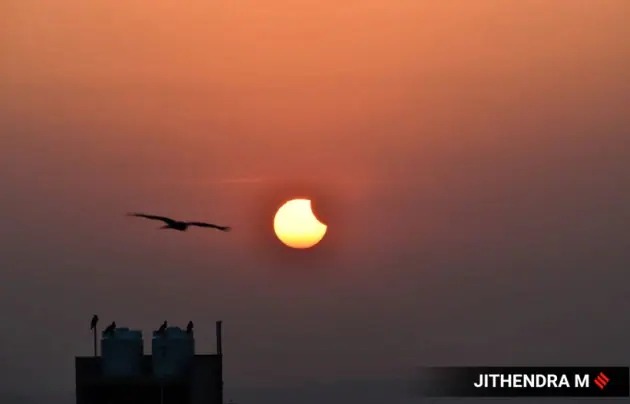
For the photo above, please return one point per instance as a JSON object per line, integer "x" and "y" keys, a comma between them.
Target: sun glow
{"x": 296, "y": 225}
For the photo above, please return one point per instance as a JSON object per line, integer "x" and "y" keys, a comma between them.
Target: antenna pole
{"x": 95, "y": 343}
{"x": 219, "y": 344}
{"x": 220, "y": 355}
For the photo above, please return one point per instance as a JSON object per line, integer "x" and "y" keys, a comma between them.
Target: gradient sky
{"x": 471, "y": 159}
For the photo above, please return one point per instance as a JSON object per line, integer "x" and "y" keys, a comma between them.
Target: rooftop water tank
{"x": 172, "y": 352}
{"x": 122, "y": 352}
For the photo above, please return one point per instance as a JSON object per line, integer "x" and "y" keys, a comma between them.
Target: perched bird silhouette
{"x": 94, "y": 322}
{"x": 162, "y": 328}
{"x": 179, "y": 225}
{"x": 110, "y": 328}
{"x": 189, "y": 327}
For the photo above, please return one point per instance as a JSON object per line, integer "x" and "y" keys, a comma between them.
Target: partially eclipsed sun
{"x": 296, "y": 225}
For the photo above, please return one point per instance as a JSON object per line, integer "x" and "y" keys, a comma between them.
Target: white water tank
{"x": 172, "y": 352}
{"x": 122, "y": 352}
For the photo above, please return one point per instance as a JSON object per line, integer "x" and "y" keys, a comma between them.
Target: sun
{"x": 296, "y": 225}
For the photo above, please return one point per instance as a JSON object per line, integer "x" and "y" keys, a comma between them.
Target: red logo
{"x": 601, "y": 380}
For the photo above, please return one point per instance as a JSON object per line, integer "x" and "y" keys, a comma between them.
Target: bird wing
{"x": 153, "y": 217}
{"x": 213, "y": 226}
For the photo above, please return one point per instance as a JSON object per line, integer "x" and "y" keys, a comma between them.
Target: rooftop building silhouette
{"x": 172, "y": 374}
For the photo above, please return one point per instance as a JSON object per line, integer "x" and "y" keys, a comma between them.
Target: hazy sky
{"x": 471, "y": 159}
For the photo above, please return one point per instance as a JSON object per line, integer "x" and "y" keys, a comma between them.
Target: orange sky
{"x": 420, "y": 128}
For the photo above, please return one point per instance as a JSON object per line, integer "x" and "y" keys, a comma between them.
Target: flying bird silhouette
{"x": 94, "y": 322}
{"x": 179, "y": 225}
{"x": 110, "y": 328}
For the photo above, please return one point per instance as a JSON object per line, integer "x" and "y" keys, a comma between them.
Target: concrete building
{"x": 172, "y": 374}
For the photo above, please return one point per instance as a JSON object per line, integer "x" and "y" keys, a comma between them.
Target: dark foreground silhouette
{"x": 162, "y": 328}
{"x": 179, "y": 225}
{"x": 110, "y": 328}
{"x": 94, "y": 322}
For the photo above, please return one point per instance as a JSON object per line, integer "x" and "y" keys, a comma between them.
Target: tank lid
{"x": 124, "y": 333}
{"x": 172, "y": 332}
